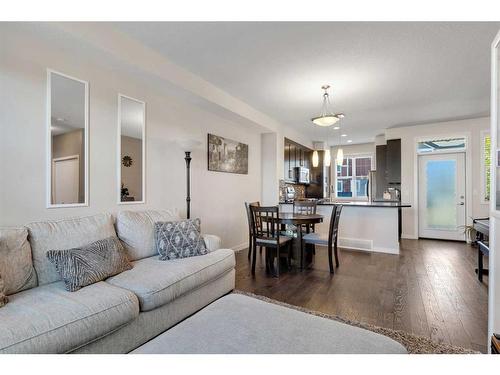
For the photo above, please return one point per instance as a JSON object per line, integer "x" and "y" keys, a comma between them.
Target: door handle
{"x": 461, "y": 204}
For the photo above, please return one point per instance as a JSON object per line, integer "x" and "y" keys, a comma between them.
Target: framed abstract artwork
{"x": 227, "y": 155}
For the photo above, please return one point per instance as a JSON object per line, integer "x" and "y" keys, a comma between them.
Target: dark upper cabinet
{"x": 286, "y": 163}
{"x": 393, "y": 161}
{"x": 381, "y": 176}
{"x": 295, "y": 155}
{"x": 388, "y": 166}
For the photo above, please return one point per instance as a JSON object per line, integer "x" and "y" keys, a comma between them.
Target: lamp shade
{"x": 188, "y": 144}
{"x": 340, "y": 156}
{"x": 328, "y": 157}
{"x": 325, "y": 120}
{"x": 315, "y": 158}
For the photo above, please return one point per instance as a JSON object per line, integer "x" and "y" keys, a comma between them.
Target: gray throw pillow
{"x": 179, "y": 239}
{"x": 89, "y": 264}
{"x": 3, "y": 297}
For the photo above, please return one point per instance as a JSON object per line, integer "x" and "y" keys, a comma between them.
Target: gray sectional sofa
{"x": 113, "y": 316}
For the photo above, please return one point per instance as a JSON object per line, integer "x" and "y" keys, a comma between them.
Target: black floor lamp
{"x": 188, "y": 144}
{"x": 188, "y": 183}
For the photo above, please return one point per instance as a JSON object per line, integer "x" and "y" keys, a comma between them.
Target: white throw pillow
{"x": 136, "y": 230}
{"x": 16, "y": 264}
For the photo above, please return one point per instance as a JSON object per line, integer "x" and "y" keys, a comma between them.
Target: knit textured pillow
{"x": 3, "y": 298}
{"x": 89, "y": 264}
{"x": 179, "y": 239}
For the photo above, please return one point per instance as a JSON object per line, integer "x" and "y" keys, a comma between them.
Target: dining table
{"x": 300, "y": 221}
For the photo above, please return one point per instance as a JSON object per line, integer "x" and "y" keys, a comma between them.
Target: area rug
{"x": 414, "y": 344}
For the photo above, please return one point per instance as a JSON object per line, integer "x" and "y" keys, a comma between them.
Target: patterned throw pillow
{"x": 89, "y": 264}
{"x": 3, "y": 298}
{"x": 179, "y": 239}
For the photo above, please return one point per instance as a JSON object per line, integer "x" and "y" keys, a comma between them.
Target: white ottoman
{"x": 238, "y": 324}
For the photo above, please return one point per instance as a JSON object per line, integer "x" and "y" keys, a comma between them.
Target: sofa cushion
{"x": 49, "y": 319}
{"x": 136, "y": 230}
{"x": 212, "y": 242}
{"x": 16, "y": 265}
{"x": 157, "y": 282}
{"x": 65, "y": 234}
{"x": 179, "y": 239}
{"x": 89, "y": 264}
{"x": 3, "y": 297}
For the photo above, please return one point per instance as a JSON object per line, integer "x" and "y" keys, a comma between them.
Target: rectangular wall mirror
{"x": 131, "y": 150}
{"x": 67, "y": 146}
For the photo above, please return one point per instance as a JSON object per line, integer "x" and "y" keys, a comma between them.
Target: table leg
{"x": 301, "y": 244}
{"x": 480, "y": 264}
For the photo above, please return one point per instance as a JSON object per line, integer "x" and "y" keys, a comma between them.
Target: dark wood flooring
{"x": 430, "y": 289}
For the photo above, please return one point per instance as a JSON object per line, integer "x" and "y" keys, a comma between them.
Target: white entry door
{"x": 441, "y": 196}
{"x": 66, "y": 180}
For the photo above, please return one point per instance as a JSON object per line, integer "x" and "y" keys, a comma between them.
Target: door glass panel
{"x": 441, "y": 210}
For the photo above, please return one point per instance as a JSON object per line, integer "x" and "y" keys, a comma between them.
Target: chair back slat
{"x": 334, "y": 221}
{"x": 305, "y": 207}
{"x": 250, "y": 216}
{"x": 268, "y": 217}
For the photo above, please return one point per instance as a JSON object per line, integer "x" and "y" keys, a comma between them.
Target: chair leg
{"x": 260, "y": 249}
{"x": 336, "y": 253}
{"x": 330, "y": 261}
{"x": 254, "y": 257}
{"x": 266, "y": 256}
{"x": 278, "y": 261}
{"x": 299, "y": 236}
{"x": 250, "y": 245}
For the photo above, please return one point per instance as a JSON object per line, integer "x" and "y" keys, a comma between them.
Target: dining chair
{"x": 305, "y": 207}
{"x": 250, "y": 227}
{"x": 329, "y": 239}
{"x": 266, "y": 229}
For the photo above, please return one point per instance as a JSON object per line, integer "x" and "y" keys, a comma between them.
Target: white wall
{"x": 472, "y": 129}
{"x": 270, "y": 177}
{"x": 216, "y": 197}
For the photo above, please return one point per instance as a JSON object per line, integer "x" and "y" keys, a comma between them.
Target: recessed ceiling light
{"x": 336, "y": 127}
{"x": 344, "y": 135}
{"x": 60, "y": 119}
{"x": 349, "y": 141}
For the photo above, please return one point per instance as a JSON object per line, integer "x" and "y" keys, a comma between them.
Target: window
{"x": 441, "y": 145}
{"x": 352, "y": 177}
{"x": 485, "y": 165}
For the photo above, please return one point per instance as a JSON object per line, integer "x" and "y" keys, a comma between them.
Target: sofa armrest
{"x": 212, "y": 241}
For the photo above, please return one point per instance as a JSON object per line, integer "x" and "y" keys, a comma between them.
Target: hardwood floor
{"x": 430, "y": 289}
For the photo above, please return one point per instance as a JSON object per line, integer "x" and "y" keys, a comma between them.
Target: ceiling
{"x": 383, "y": 74}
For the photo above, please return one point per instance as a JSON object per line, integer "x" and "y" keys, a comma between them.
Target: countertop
{"x": 364, "y": 204}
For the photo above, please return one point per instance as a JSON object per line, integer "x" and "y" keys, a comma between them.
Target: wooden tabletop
{"x": 293, "y": 218}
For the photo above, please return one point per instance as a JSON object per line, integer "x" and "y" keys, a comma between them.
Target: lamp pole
{"x": 188, "y": 184}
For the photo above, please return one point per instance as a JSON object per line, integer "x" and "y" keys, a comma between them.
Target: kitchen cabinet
{"x": 381, "y": 175}
{"x": 295, "y": 155}
{"x": 388, "y": 167}
{"x": 393, "y": 162}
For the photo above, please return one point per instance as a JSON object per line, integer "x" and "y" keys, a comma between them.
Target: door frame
{"x": 54, "y": 160}
{"x": 455, "y": 154}
{"x": 468, "y": 169}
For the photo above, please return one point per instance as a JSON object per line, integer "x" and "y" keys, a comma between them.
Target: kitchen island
{"x": 367, "y": 226}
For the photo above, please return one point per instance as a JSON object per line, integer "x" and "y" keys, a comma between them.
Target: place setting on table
{"x": 290, "y": 235}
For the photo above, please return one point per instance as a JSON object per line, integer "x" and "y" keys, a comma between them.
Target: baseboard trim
{"x": 409, "y": 236}
{"x": 240, "y": 247}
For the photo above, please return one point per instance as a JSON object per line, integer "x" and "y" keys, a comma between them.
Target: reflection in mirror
{"x": 131, "y": 150}
{"x": 67, "y": 147}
